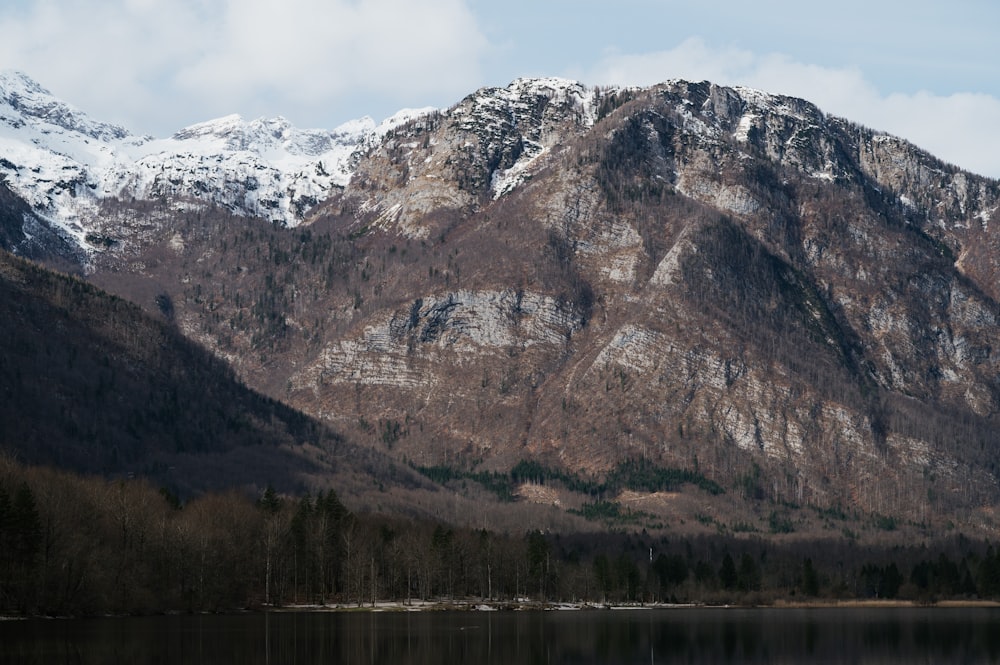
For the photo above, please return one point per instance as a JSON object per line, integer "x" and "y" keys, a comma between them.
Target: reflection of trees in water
{"x": 887, "y": 635}
{"x": 693, "y": 635}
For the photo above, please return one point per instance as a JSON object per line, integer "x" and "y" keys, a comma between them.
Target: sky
{"x": 925, "y": 71}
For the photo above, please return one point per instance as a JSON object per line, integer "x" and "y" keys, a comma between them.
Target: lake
{"x": 702, "y": 635}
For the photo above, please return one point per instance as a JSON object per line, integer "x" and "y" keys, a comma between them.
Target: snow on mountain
{"x": 521, "y": 99}
{"x": 263, "y": 167}
{"x": 20, "y": 93}
{"x": 62, "y": 162}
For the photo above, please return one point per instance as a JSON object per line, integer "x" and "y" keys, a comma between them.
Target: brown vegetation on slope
{"x": 760, "y": 306}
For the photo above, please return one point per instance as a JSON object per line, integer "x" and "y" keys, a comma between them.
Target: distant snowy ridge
{"x": 62, "y": 162}
{"x": 26, "y": 98}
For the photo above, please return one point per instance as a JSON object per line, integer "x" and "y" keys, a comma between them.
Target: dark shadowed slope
{"x": 90, "y": 383}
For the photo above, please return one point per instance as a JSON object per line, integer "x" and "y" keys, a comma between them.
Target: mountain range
{"x": 796, "y": 309}
{"x": 62, "y": 162}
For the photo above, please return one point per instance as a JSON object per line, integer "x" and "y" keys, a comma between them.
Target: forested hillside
{"x": 92, "y": 384}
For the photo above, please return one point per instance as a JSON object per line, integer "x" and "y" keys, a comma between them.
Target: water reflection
{"x": 652, "y": 636}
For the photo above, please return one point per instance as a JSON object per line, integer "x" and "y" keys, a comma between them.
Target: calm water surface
{"x": 898, "y": 635}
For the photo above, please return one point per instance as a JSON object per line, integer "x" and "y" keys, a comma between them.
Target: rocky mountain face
{"x": 707, "y": 278}
{"x": 713, "y": 277}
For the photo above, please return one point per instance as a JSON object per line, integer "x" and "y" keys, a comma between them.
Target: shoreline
{"x": 535, "y": 606}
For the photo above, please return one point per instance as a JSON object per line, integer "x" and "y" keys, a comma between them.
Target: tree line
{"x": 638, "y": 474}
{"x": 74, "y": 545}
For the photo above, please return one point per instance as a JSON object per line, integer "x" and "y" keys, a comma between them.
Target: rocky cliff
{"x": 709, "y": 277}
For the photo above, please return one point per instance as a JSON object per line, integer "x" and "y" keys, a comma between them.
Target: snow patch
{"x": 503, "y": 182}
{"x": 746, "y": 124}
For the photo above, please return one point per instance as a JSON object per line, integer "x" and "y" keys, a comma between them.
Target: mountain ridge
{"x": 64, "y": 163}
{"x": 22, "y": 93}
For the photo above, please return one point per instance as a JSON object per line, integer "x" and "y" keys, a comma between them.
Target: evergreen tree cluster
{"x": 71, "y": 545}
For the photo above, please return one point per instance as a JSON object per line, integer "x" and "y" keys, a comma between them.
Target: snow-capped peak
{"x": 233, "y": 133}
{"x": 218, "y": 127}
{"x": 529, "y": 96}
{"x": 62, "y": 162}
{"x": 402, "y": 117}
{"x": 23, "y": 96}
{"x": 551, "y": 86}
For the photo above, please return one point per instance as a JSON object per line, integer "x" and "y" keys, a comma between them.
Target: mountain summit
{"x": 22, "y": 98}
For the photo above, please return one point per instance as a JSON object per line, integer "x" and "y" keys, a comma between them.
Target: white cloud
{"x": 310, "y": 50}
{"x": 104, "y": 57}
{"x": 154, "y": 64}
{"x": 959, "y": 128}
